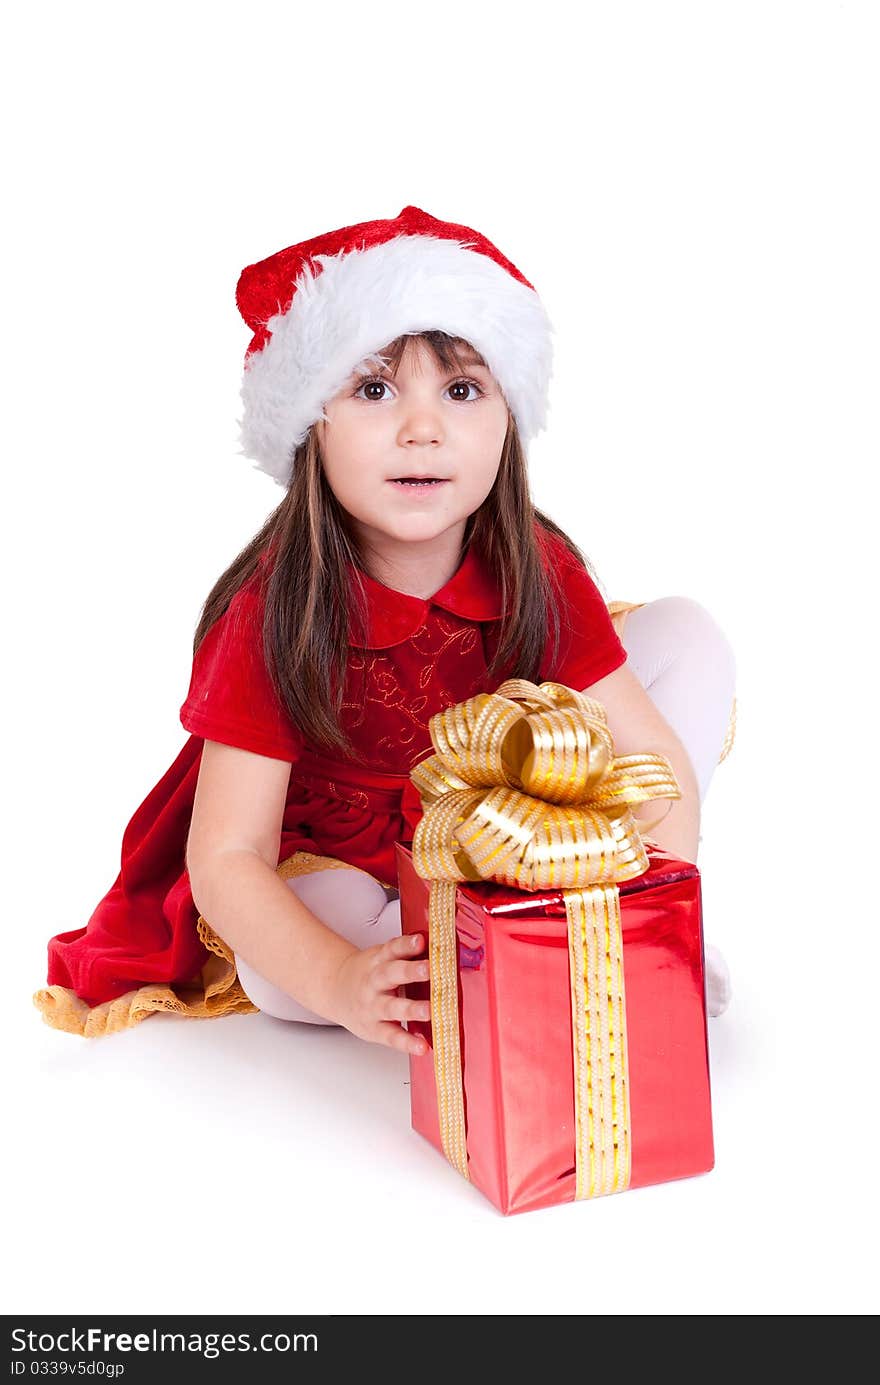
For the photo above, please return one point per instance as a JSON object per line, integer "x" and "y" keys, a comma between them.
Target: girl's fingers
{"x": 406, "y": 1009}
{"x": 401, "y": 974}
{"x": 407, "y": 945}
{"x": 396, "y": 1037}
{"x": 394, "y": 965}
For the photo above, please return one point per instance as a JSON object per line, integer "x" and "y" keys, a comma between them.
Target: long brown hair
{"x": 307, "y": 598}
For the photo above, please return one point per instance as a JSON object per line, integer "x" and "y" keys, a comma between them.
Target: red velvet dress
{"x": 417, "y": 657}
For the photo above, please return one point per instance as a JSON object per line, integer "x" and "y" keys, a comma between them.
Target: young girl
{"x": 397, "y": 370}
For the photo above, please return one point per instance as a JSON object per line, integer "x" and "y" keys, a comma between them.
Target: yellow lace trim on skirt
{"x": 216, "y": 991}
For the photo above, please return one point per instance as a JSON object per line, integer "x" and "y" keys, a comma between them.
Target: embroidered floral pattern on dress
{"x": 399, "y": 690}
{"x": 352, "y": 798}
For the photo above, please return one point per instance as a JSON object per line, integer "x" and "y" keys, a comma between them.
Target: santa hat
{"x": 321, "y": 308}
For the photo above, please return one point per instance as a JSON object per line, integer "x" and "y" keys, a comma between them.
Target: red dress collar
{"x": 471, "y": 592}
{"x": 392, "y": 617}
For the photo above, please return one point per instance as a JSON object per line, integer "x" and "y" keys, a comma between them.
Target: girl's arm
{"x": 255, "y": 913}
{"x": 232, "y": 858}
{"x": 636, "y": 725}
{"x": 232, "y": 855}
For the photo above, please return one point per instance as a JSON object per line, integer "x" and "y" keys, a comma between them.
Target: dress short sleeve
{"x": 589, "y": 646}
{"x": 231, "y": 698}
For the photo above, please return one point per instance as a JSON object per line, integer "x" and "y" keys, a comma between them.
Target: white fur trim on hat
{"x": 361, "y": 301}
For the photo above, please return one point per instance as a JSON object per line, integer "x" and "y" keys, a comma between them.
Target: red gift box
{"x": 515, "y": 1034}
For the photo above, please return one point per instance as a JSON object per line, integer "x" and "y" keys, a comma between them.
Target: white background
{"x": 693, "y": 190}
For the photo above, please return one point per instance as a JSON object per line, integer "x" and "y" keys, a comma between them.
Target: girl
{"x": 396, "y": 372}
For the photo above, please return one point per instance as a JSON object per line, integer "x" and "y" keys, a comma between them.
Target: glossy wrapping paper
{"x": 515, "y": 1031}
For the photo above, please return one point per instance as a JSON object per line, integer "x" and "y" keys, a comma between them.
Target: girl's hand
{"x": 367, "y": 998}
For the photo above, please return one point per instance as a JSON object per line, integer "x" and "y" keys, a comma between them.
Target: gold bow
{"x": 525, "y": 789}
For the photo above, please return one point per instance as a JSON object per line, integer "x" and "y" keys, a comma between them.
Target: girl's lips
{"x": 419, "y": 488}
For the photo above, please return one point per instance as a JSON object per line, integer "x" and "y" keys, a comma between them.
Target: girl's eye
{"x": 377, "y": 399}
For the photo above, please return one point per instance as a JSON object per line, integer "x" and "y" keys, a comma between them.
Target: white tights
{"x": 683, "y": 660}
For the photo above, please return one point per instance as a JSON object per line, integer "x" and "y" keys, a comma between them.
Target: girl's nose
{"x": 421, "y": 426}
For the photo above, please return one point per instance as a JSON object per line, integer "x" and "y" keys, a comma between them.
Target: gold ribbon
{"x": 525, "y": 789}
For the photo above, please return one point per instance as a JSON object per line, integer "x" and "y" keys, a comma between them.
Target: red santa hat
{"x": 320, "y": 309}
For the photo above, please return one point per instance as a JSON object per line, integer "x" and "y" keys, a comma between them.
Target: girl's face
{"x": 423, "y": 421}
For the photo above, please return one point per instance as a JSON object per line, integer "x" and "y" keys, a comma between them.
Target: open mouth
{"x": 418, "y": 482}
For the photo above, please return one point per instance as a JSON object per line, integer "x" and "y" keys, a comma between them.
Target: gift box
{"x": 568, "y": 1049}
